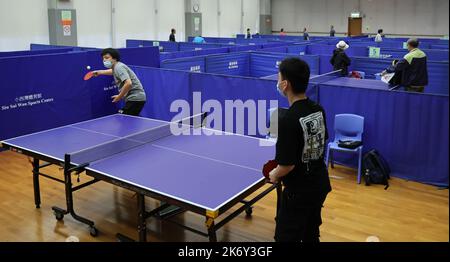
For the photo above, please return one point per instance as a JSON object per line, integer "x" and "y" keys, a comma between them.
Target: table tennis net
{"x": 126, "y": 143}
{"x": 319, "y": 79}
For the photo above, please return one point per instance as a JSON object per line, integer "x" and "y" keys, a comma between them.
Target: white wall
{"x": 209, "y": 9}
{"x": 415, "y": 17}
{"x": 134, "y": 19}
{"x": 94, "y": 22}
{"x": 251, "y": 15}
{"x": 230, "y": 21}
{"x": 23, "y": 22}
{"x": 170, "y": 15}
{"x": 230, "y": 17}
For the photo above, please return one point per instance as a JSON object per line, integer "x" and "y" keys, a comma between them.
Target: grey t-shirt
{"x": 121, "y": 73}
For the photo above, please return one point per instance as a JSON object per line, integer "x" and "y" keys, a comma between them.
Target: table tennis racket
{"x": 268, "y": 167}
{"x": 89, "y": 75}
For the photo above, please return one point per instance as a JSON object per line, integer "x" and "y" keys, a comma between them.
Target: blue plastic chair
{"x": 347, "y": 127}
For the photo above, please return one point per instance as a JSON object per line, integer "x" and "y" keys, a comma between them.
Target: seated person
{"x": 393, "y": 76}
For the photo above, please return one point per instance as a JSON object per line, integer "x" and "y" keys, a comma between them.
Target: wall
{"x": 412, "y": 17}
{"x": 26, "y": 21}
{"x": 23, "y": 22}
{"x": 94, "y": 22}
{"x": 230, "y": 21}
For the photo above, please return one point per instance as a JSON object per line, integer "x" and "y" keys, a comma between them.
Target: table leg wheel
{"x": 249, "y": 211}
{"x": 93, "y": 231}
{"x": 58, "y": 215}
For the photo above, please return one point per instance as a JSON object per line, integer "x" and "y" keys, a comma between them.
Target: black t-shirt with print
{"x": 302, "y": 136}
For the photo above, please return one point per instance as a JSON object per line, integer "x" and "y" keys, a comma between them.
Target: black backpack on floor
{"x": 375, "y": 169}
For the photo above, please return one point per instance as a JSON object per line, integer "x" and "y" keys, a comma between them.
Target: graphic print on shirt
{"x": 314, "y": 136}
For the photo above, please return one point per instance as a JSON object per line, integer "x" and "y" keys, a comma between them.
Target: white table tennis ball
{"x": 72, "y": 239}
{"x": 88, "y": 67}
{"x": 372, "y": 239}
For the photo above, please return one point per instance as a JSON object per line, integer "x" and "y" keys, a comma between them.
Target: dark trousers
{"x": 416, "y": 89}
{"x": 132, "y": 108}
{"x": 299, "y": 217}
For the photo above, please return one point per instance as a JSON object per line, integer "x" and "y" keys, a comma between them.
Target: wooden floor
{"x": 408, "y": 211}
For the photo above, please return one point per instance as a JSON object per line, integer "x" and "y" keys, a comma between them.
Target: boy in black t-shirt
{"x": 300, "y": 150}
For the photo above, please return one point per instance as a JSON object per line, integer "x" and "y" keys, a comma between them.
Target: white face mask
{"x": 107, "y": 63}
{"x": 280, "y": 91}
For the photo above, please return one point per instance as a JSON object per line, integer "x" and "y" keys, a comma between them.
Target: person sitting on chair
{"x": 413, "y": 68}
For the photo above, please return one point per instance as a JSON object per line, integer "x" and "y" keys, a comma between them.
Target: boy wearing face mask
{"x": 130, "y": 88}
{"x": 302, "y": 136}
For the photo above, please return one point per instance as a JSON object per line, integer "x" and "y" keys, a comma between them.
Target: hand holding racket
{"x": 90, "y": 75}
{"x": 269, "y": 167}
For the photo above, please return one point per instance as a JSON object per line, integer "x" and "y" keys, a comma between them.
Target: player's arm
{"x": 124, "y": 91}
{"x": 108, "y": 72}
{"x": 286, "y": 150}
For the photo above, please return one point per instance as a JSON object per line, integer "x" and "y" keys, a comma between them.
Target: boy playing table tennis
{"x": 300, "y": 149}
{"x": 130, "y": 88}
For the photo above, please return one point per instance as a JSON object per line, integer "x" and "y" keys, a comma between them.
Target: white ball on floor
{"x": 372, "y": 239}
{"x": 88, "y": 68}
{"x": 72, "y": 239}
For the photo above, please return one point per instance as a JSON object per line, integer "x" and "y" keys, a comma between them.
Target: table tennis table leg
{"x": 142, "y": 225}
{"x": 59, "y": 212}
{"x": 36, "y": 187}
{"x": 211, "y": 229}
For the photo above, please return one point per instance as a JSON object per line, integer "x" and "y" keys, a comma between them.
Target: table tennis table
{"x": 336, "y": 79}
{"x": 207, "y": 174}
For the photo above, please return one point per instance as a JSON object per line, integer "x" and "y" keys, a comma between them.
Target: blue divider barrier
{"x": 243, "y": 48}
{"x": 194, "y": 46}
{"x": 191, "y": 64}
{"x": 35, "y": 47}
{"x": 224, "y": 88}
{"x": 146, "y": 56}
{"x": 51, "y": 94}
{"x": 236, "y": 64}
{"x": 35, "y": 52}
{"x": 164, "y": 46}
{"x": 281, "y": 49}
{"x": 260, "y": 64}
{"x": 441, "y": 47}
{"x": 433, "y": 55}
{"x": 353, "y": 50}
{"x": 298, "y": 49}
{"x": 162, "y": 88}
{"x": 437, "y": 72}
{"x": 265, "y": 64}
{"x": 176, "y": 55}
{"x": 397, "y": 124}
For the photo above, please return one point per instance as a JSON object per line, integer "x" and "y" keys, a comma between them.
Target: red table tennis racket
{"x": 268, "y": 167}
{"x": 89, "y": 75}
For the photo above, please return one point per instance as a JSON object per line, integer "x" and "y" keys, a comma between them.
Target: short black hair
{"x": 112, "y": 52}
{"x": 414, "y": 42}
{"x": 173, "y": 30}
{"x": 297, "y": 72}
{"x": 248, "y": 29}
{"x": 380, "y": 31}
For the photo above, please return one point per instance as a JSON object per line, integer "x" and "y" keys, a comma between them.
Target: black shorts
{"x": 132, "y": 108}
{"x": 299, "y": 217}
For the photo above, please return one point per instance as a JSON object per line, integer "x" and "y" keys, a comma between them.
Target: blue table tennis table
{"x": 207, "y": 173}
{"x": 356, "y": 83}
